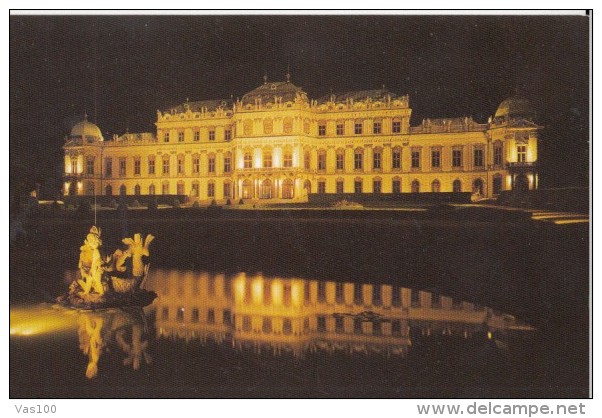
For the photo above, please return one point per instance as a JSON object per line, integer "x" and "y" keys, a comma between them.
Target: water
{"x": 243, "y": 335}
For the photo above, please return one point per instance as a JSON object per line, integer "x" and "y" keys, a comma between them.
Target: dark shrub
{"x": 84, "y": 207}
{"x": 152, "y": 205}
{"x": 241, "y": 202}
{"x": 176, "y": 203}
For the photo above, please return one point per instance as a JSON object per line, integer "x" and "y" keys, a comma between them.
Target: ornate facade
{"x": 277, "y": 144}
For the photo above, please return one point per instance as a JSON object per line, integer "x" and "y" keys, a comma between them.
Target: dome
{"x": 88, "y": 130}
{"x": 267, "y": 91}
{"x": 515, "y": 107}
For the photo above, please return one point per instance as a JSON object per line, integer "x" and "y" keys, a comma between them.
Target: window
{"x": 357, "y": 186}
{"x": 321, "y": 323}
{"x": 340, "y": 160}
{"x": 151, "y": 189}
{"x": 497, "y": 184}
{"x": 340, "y": 185}
{"x": 415, "y": 186}
{"x": 521, "y": 153}
{"x": 246, "y": 323}
{"x": 376, "y": 160}
{"x": 165, "y": 313}
{"x": 166, "y": 166}
{"x": 340, "y": 128}
{"x": 396, "y": 163}
{"x": 194, "y": 190}
{"x": 248, "y": 160}
{"x": 396, "y": 127}
{"x": 211, "y": 134}
{"x": 288, "y": 159}
{"x": 122, "y": 167}
{"x": 457, "y": 186}
{"x": 166, "y": 137}
{"x": 196, "y": 135}
{"x": 396, "y": 327}
{"x": 211, "y": 316}
{"x": 396, "y": 186}
{"x": 137, "y": 166}
{"x": 415, "y": 159}
{"x": 321, "y": 292}
{"x": 211, "y": 164}
{"x": 457, "y": 158}
{"x": 415, "y": 298}
{"x": 376, "y": 186}
{"x": 90, "y": 165}
{"x": 267, "y": 159}
{"x": 165, "y": 188}
{"x": 180, "y": 164}
{"x": 211, "y": 190}
{"x": 180, "y": 188}
{"x": 137, "y": 190}
{"x": 109, "y": 190}
{"x": 435, "y": 300}
{"x": 90, "y": 188}
{"x": 306, "y": 126}
{"x": 227, "y": 317}
{"x": 377, "y": 127}
{"x": 108, "y": 167}
{"x": 181, "y": 136}
{"x": 358, "y": 294}
{"x": 478, "y": 157}
{"x": 436, "y": 186}
{"x": 321, "y": 187}
{"x": 196, "y": 164}
{"x": 322, "y": 160}
{"x": 358, "y": 157}
{"x": 287, "y": 189}
{"x": 497, "y": 154}
{"x": 151, "y": 165}
{"x": 195, "y": 315}
{"x": 377, "y": 298}
{"x": 339, "y": 294}
{"x": 74, "y": 169}
{"x": 322, "y": 129}
{"x": 227, "y": 164}
{"x": 436, "y": 158}
{"x": 306, "y": 160}
{"x": 359, "y": 127}
{"x": 339, "y": 325}
{"x": 227, "y": 188}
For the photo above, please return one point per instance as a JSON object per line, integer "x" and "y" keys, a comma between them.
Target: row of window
{"x": 358, "y": 127}
{"x": 165, "y": 165}
{"x": 196, "y": 135}
{"x": 340, "y": 130}
{"x": 165, "y": 189}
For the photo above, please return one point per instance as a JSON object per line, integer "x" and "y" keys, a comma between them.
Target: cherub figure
{"x": 90, "y": 264}
{"x": 137, "y": 249}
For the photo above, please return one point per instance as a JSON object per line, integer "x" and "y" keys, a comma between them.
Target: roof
{"x": 358, "y": 95}
{"x": 268, "y": 91}
{"x": 210, "y": 105}
{"x": 515, "y": 106}
{"x": 85, "y": 129}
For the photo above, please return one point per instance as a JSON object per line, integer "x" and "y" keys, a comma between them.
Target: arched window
{"x": 307, "y": 186}
{"x": 180, "y": 188}
{"x": 436, "y": 186}
{"x": 266, "y": 189}
{"x": 415, "y": 186}
{"x": 287, "y": 189}
{"x": 137, "y": 190}
{"x": 109, "y": 190}
{"x": 457, "y": 186}
{"x": 247, "y": 189}
{"x": 497, "y": 184}
{"x": 477, "y": 187}
{"x": 165, "y": 187}
{"x": 122, "y": 190}
{"x": 151, "y": 190}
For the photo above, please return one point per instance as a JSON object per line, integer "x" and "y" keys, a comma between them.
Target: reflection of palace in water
{"x": 296, "y": 315}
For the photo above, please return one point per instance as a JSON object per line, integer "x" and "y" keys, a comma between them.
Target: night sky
{"x": 449, "y": 65}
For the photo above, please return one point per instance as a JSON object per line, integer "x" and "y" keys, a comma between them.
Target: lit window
{"x": 196, "y": 136}
{"x": 288, "y": 159}
{"x": 90, "y": 166}
{"x": 180, "y": 165}
{"x": 435, "y": 158}
{"x": 267, "y": 159}
{"x": 211, "y": 190}
{"x": 166, "y": 137}
{"x": 137, "y": 166}
{"x": 377, "y": 127}
{"x": 211, "y": 164}
{"x": 228, "y": 135}
{"x": 340, "y": 129}
{"x": 457, "y": 158}
{"x": 436, "y": 186}
{"x": 181, "y": 136}
{"x": 521, "y": 153}
{"x": 165, "y": 166}
{"x": 322, "y": 129}
{"x": 151, "y": 166}
{"x": 74, "y": 169}
{"x": 396, "y": 127}
{"x": 212, "y": 135}
{"x": 359, "y": 127}
{"x": 196, "y": 164}
{"x": 340, "y": 160}
{"x": 227, "y": 188}
{"x": 322, "y": 161}
{"x": 248, "y": 160}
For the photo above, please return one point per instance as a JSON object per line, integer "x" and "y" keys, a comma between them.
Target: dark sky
{"x": 449, "y": 65}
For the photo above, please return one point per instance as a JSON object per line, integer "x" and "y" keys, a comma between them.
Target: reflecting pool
{"x": 249, "y": 335}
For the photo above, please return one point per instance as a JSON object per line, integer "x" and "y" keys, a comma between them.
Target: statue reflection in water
{"x": 99, "y": 332}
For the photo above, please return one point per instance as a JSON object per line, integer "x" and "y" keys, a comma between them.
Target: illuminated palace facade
{"x": 276, "y": 144}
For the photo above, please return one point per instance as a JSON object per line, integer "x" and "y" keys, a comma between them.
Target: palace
{"x": 277, "y": 144}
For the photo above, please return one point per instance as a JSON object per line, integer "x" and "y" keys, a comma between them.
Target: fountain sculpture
{"x": 111, "y": 281}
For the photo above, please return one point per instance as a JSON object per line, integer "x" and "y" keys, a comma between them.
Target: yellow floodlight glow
{"x": 38, "y": 320}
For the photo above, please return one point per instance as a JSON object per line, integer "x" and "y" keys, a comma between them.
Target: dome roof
{"x": 85, "y": 129}
{"x": 267, "y": 91}
{"x": 515, "y": 107}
